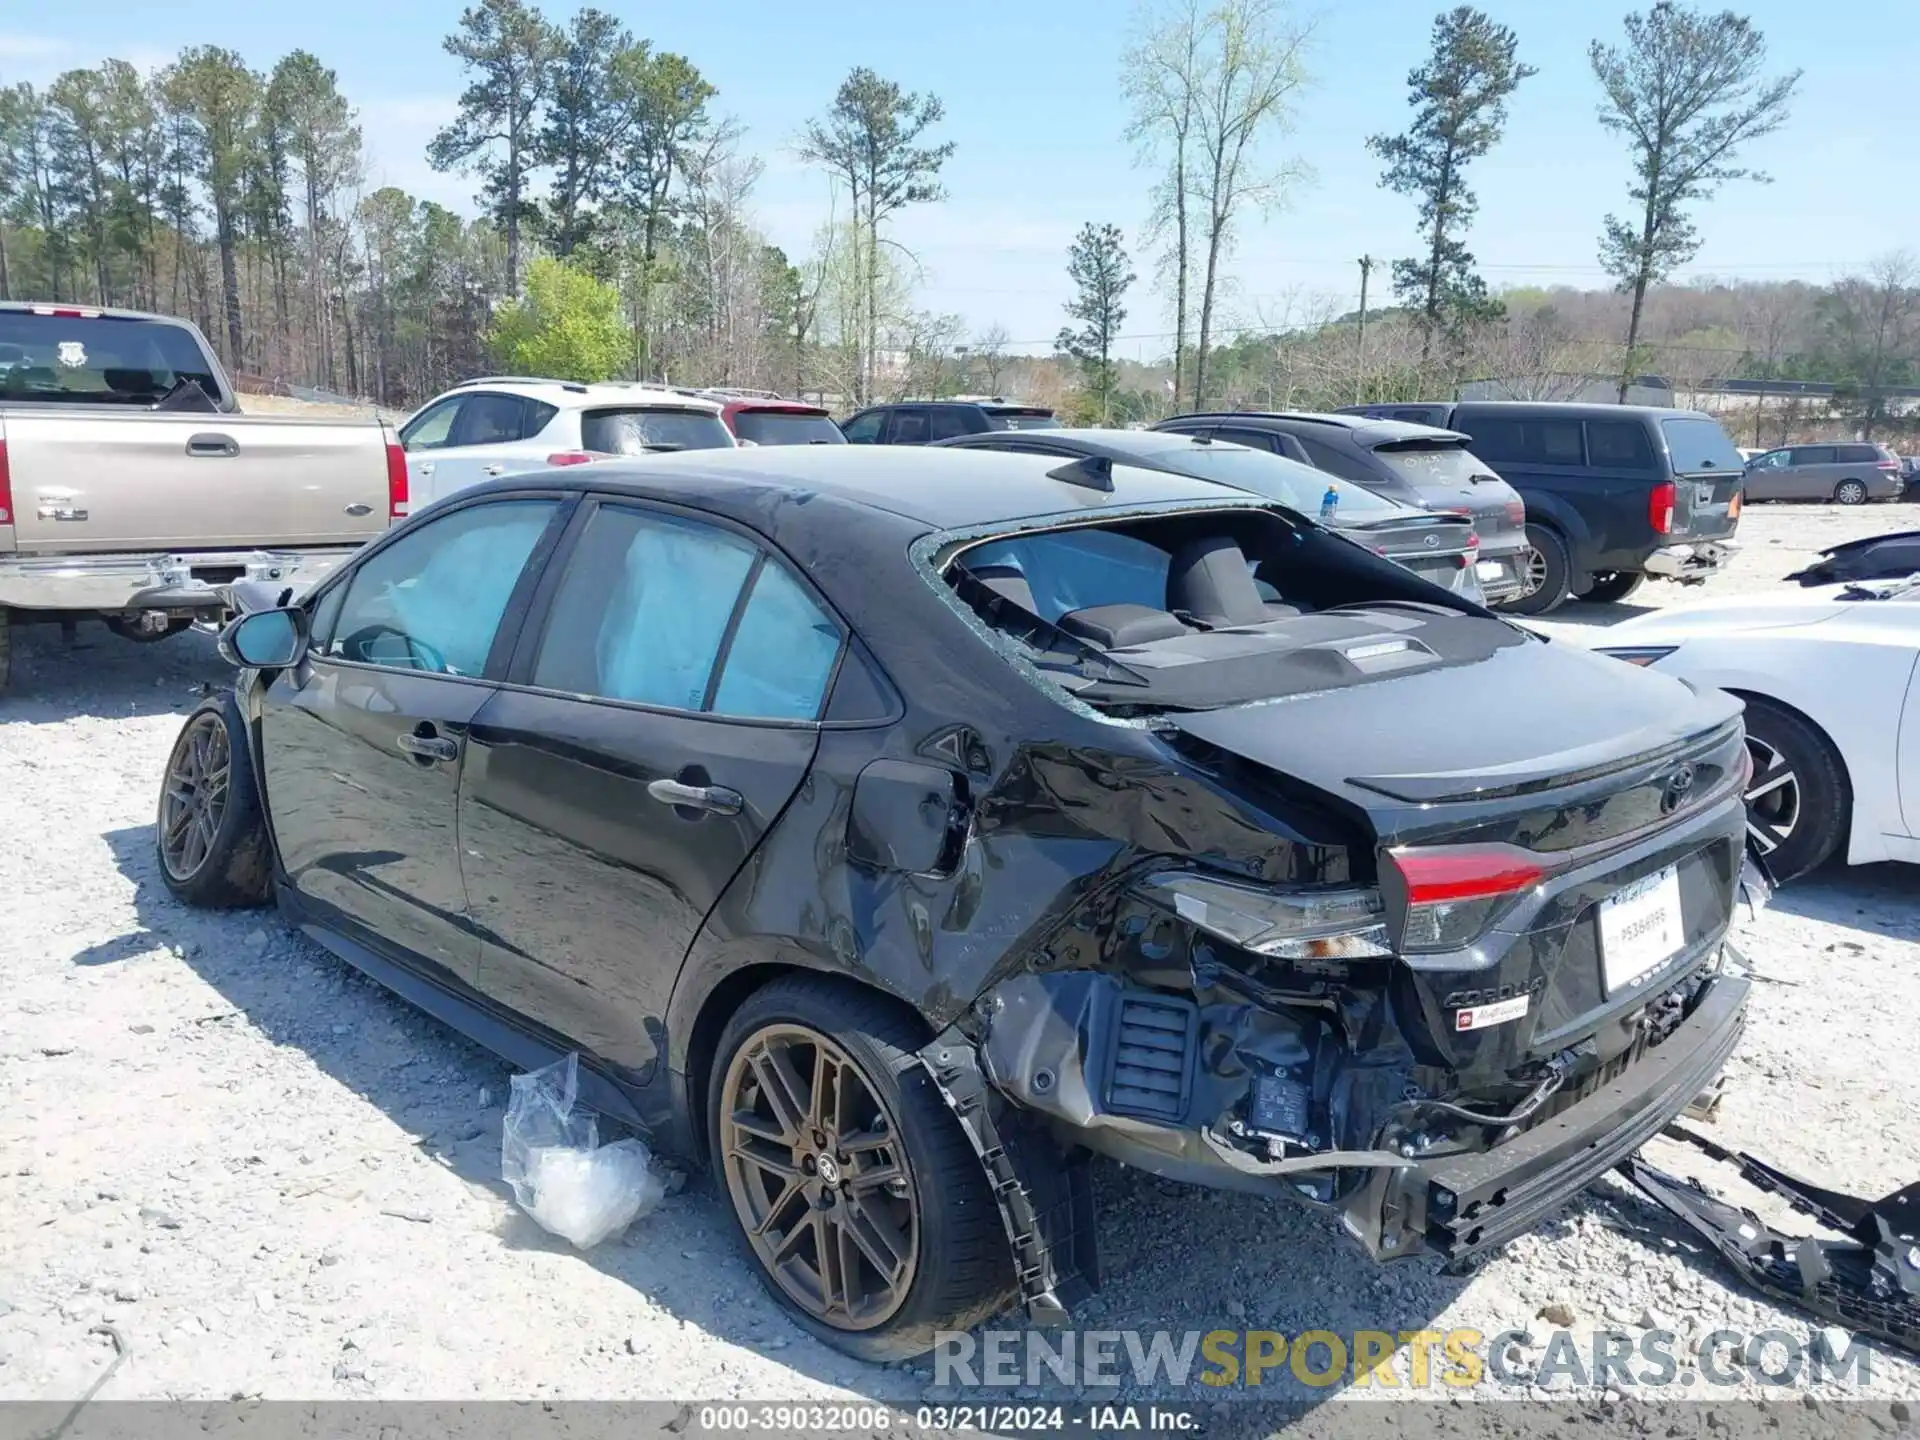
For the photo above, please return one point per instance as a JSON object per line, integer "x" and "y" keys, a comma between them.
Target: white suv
{"x": 507, "y": 424}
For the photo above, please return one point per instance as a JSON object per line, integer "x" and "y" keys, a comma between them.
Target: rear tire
{"x": 1797, "y": 801}
{"x": 1850, "y": 492}
{"x": 1548, "y": 570}
{"x": 1612, "y": 586}
{"x": 881, "y": 1112}
{"x": 210, "y": 836}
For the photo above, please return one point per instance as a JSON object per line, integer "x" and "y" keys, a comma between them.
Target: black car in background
{"x": 1438, "y": 548}
{"x": 888, "y": 832}
{"x": 921, "y": 422}
{"x": 1614, "y": 493}
{"x": 1418, "y": 465}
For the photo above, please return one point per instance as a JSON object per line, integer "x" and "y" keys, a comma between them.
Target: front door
{"x": 657, "y": 721}
{"x": 364, "y": 741}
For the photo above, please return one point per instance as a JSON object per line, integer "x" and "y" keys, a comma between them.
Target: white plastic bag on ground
{"x": 550, "y": 1153}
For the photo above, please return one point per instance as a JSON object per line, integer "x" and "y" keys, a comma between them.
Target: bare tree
{"x": 990, "y": 354}
{"x": 1160, "y": 75}
{"x": 1687, "y": 92}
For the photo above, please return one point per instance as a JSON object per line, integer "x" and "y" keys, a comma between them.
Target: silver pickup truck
{"x": 131, "y": 488}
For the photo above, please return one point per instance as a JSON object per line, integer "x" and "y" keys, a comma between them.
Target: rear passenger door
{"x": 1811, "y": 476}
{"x": 660, "y": 710}
{"x": 483, "y": 443}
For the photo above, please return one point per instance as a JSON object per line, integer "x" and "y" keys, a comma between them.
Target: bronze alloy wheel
{"x": 819, "y": 1177}
{"x": 195, "y": 799}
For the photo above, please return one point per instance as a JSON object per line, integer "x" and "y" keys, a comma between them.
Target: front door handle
{"x": 428, "y": 747}
{"x": 715, "y": 799}
{"x": 493, "y": 469}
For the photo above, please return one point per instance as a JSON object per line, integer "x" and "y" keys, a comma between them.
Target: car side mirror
{"x": 265, "y": 639}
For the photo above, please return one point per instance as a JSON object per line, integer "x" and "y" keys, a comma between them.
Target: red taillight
{"x": 1888, "y": 465}
{"x": 397, "y": 505}
{"x": 570, "y": 457}
{"x": 1451, "y": 893}
{"x": 1468, "y": 872}
{"x": 6, "y": 487}
{"x": 1473, "y": 541}
{"x": 1660, "y": 507}
{"x": 64, "y": 313}
{"x": 1517, "y": 511}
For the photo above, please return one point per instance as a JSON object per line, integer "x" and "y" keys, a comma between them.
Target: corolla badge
{"x": 1679, "y": 790}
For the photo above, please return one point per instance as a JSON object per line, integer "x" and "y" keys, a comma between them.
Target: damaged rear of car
{"x": 1413, "y": 916}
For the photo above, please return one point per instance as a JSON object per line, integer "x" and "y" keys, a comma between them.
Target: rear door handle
{"x": 715, "y": 799}
{"x": 212, "y": 444}
{"x": 493, "y": 469}
{"x": 428, "y": 747}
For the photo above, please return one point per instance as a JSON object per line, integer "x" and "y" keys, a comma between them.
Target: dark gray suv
{"x": 1418, "y": 465}
{"x": 924, "y": 421}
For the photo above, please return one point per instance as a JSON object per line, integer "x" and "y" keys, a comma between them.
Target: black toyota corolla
{"x": 888, "y": 830}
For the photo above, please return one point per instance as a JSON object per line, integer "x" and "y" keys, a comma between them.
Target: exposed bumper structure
{"x": 187, "y": 583}
{"x": 1692, "y": 562}
{"x": 1462, "y": 1205}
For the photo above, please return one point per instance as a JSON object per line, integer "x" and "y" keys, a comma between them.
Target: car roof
{"x": 1015, "y": 407}
{"x": 1364, "y": 429}
{"x": 574, "y": 395}
{"x": 938, "y": 487}
{"x": 1581, "y": 410}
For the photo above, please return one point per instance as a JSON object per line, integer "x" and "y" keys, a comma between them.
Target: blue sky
{"x": 1034, "y": 106}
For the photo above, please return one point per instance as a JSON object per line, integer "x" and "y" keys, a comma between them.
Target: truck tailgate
{"x": 148, "y": 480}
{"x": 1703, "y": 505}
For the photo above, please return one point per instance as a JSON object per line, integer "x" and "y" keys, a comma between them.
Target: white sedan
{"x": 1833, "y": 710}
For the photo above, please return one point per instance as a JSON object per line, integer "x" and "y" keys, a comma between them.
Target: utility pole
{"x": 1360, "y": 363}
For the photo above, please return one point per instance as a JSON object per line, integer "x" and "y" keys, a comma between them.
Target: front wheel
{"x": 1850, "y": 492}
{"x": 1797, "y": 800}
{"x": 210, "y": 833}
{"x": 1612, "y": 586}
{"x": 1548, "y": 574}
{"x": 862, "y": 1205}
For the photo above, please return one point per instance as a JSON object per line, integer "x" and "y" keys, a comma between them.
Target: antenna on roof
{"x": 1090, "y": 472}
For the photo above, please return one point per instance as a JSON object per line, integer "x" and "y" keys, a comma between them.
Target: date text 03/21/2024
{"x": 961, "y": 1418}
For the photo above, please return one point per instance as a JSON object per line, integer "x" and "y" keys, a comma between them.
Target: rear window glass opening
{"x": 636, "y": 431}
{"x": 99, "y": 360}
{"x": 786, "y": 427}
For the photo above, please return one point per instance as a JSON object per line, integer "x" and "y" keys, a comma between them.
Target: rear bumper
{"x": 1459, "y": 1206}
{"x": 1691, "y": 561}
{"x": 173, "y": 582}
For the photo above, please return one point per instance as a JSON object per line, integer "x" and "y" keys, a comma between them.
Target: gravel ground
{"x": 276, "y": 1180}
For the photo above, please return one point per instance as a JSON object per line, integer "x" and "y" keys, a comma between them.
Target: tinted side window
{"x": 909, "y": 428}
{"x": 644, "y": 606}
{"x": 433, "y": 599}
{"x": 1813, "y": 454}
{"x": 1527, "y": 442}
{"x": 864, "y": 429}
{"x": 781, "y": 655}
{"x": 489, "y": 420}
{"x": 948, "y": 423}
{"x": 1857, "y": 454}
{"x": 537, "y": 414}
{"x": 1338, "y": 462}
{"x": 1619, "y": 445}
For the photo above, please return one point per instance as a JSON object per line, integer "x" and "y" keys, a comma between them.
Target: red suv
{"x": 780, "y": 422}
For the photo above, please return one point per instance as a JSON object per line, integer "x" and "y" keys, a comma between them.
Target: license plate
{"x": 1640, "y": 929}
{"x": 1489, "y": 570}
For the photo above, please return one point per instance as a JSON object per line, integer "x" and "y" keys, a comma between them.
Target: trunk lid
{"x": 1434, "y": 547}
{"x": 1575, "y": 771}
{"x": 96, "y": 480}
